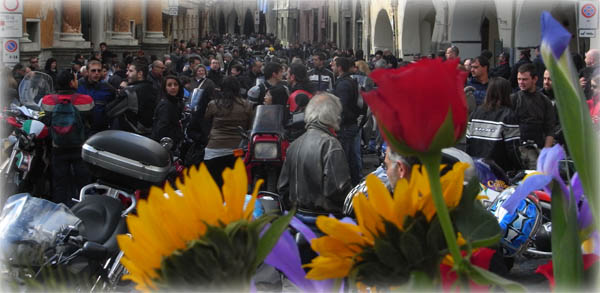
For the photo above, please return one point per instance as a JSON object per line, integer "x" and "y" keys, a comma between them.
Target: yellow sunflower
{"x": 167, "y": 221}
{"x": 339, "y": 249}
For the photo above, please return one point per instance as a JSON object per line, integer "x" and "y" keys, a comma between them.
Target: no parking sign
{"x": 588, "y": 14}
{"x": 12, "y": 6}
{"x": 10, "y": 51}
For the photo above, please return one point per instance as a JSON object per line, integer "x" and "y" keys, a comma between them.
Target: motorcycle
{"x": 24, "y": 158}
{"x": 267, "y": 146}
{"x": 83, "y": 240}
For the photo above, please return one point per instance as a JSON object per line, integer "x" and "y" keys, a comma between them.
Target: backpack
{"x": 361, "y": 105}
{"x": 67, "y": 128}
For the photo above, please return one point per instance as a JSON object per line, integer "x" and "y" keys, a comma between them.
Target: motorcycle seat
{"x": 102, "y": 221}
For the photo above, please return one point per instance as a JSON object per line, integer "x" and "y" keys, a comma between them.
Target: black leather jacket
{"x": 315, "y": 176}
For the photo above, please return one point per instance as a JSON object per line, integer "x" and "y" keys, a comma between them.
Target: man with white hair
{"x": 315, "y": 176}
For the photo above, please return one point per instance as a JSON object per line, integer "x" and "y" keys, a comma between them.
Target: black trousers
{"x": 69, "y": 175}
{"x": 216, "y": 166}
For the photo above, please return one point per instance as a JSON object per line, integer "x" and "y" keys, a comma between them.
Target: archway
{"x": 417, "y": 28}
{"x": 233, "y": 26}
{"x": 248, "y": 23}
{"x": 222, "y": 26}
{"x": 566, "y": 13}
{"x": 474, "y": 28}
{"x": 384, "y": 35}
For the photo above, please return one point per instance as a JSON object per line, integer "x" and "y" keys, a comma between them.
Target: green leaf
{"x": 417, "y": 281}
{"x": 444, "y": 137}
{"x": 577, "y": 126}
{"x": 469, "y": 193}
{"x": 484, "y": 277}
{"x": 386, "y": 253}
{"x": 271, "y": 236}
{"x": 411, "y": 248}
{"x": 435, "y": 236}
{"x": 478, "y": 226}
{"x": 567, "y": 259}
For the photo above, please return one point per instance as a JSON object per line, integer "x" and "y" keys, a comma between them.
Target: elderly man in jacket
{"x": 315, "y": 176}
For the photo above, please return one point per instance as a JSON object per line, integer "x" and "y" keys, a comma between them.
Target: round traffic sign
{"x": 588, "y": 10}
{"x": 11, "y": 46}
{"x": 10, "y": 5}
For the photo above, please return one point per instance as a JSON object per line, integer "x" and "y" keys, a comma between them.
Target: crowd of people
{"x": 511, "y": 109}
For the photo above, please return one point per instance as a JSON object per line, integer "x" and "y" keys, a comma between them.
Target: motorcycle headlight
{"x": 265, "y": 151}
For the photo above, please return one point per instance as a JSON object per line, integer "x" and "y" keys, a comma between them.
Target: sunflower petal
{"x": 380, "y": 199}
{"x": 330, "y": 246}
{"x": 368, "y": 220}
{"x": 452, "y": 184}
{"x": 347, "y": 233}
{"x": 323, "y": 268}
{"x": 235, "y": 184}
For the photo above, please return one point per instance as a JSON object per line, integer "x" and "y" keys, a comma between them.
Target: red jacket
{"x": 83, "y": 103}
{"x": 594, "y": 105}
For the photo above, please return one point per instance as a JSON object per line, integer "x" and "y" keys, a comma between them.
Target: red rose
{"x": 412, "y": 103}
{"x": 548, "y": 269}
{"x": 481, "y": 257}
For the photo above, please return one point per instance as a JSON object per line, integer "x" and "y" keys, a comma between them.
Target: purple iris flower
{"x": 548, "y": 164}
{"x": 554, "y": 34}
{"x": 285, "y": 257}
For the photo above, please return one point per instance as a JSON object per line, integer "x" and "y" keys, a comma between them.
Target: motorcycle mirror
{"x": 166, "y": 143}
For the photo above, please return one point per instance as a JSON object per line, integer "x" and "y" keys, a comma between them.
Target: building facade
{"x": 62, "y": 28}
{"x": 409, "y": 28}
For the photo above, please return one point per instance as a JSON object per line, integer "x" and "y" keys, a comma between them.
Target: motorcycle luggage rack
{"x": 111, "y": 192}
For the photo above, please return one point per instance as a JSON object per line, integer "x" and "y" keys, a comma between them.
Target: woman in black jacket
{"x": 493, "y": 129}
{"x": 167, "y": 115}
{"x": 51, "y": 69}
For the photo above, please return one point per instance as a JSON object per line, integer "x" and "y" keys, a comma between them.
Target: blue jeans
{"x": 349, "y": 136}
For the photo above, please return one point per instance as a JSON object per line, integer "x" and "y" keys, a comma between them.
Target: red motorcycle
{"x": 267, "y": 146}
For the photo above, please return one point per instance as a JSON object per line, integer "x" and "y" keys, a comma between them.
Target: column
{"x": 121, "y": 21}
{"x": 70, "y": 29}
{"x": 154, "y": 32}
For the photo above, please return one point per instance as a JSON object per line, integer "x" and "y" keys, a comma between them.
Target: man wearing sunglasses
{"x": 100, "y": 91}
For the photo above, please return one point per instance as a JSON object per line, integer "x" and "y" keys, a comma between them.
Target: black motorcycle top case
{"x": 126, "y": 160}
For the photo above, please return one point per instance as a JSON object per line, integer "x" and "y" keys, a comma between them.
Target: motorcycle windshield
{"x": 196, "y": 96}
{"x": 28, "y": 227}
{"x": 268, "y": 119}
{"x": 34, "y": 86}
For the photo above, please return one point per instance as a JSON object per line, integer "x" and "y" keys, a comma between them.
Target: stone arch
{"x": 233, "y": 26}
{"x": 222, "y": 26}
{"x": 384, "y": 35}
{"x": 474, "y": 28}
{"x": 528, "y": 16}
{"x": 417, "y": 28}
{"x": 248, "y": 22}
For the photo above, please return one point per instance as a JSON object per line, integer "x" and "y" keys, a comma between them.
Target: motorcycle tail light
{"x": 265, "y": 151}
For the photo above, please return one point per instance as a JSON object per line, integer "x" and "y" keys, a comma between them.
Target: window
{"x": 33, "y": 30}
{"x": 132, "y": 27}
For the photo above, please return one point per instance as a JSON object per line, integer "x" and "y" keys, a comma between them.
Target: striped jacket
{"x": 494, "y": 134}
